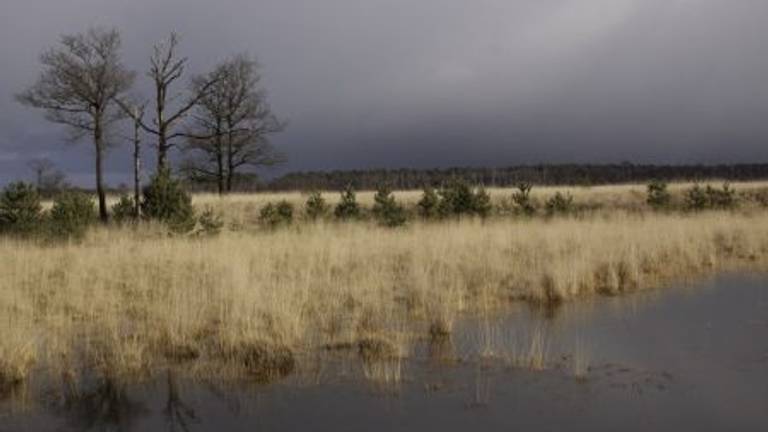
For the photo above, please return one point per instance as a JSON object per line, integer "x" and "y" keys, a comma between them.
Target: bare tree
{"x": 208, "y": 120}
{"x": 80, "y": 81}
{"x": 232, "y": 124}
{"x": 166, "y": 68}
{"x": 48, "y": 178}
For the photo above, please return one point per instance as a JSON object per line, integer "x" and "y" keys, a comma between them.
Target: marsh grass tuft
{"x": 263, "y": 361}
{"x": 440, "y": 329}
{"x": 17, "y": 358}
{"x": 377, "y": 348}
{"x": 532, "y": 352}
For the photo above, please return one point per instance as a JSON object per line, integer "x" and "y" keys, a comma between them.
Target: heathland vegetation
{"x": 256, "y": 285}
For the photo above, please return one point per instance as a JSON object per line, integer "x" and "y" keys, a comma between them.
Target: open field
{"x": 623, "y": 196}
{"x": 128, "y": 302}
{"x": 627, "y": 197}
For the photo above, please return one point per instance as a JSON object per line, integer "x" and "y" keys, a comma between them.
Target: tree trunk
{"x": 136, "y": 170}
{"x": 162, "y": 144}
{"x": 220, "y": 170}
{"x": 230, "y": 164}
{"x": 219, "y": 158}
{"x": 98, "y": 142}
{"x": 230, "y": 170}
{"x": 162, "y": 150}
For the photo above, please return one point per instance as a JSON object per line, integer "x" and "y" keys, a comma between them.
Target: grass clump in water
{"x": 263, "y": 361}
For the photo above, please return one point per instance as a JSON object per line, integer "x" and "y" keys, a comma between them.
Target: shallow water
{"x": 685, "y": 358}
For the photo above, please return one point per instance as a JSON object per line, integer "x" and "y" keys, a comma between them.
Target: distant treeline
{"x": 561, "y": 174}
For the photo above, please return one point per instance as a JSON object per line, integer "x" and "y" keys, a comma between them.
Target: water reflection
{"x": 441, "y": 350}
{"x": 180, "y": 415}
{"x": 104, "y": 406}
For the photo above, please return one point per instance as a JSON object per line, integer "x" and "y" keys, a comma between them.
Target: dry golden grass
{"x": 243, "y": 208}
{"x": 127, "y": 302}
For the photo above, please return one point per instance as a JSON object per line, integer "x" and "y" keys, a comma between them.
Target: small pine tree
{"x": 481, "y": 203}
{"x": 71, "y": 215}
{"x": 210, "y": 222}
{"x": 386, "y": 210}
{"x": 658, "y": 196}
{"x": 273, "y": 215}
{"x": 268, "y": 215}
{"x": 285, "y": 211}
{"x": 560, "y": 204}
{"x": 522, "y": 199}
{"x": 456, "y": 199}
{"x": 315, "y": 207}
{"x": 347, "y": 208}
{"x": 20, "y": 208}
{"x": 696, "y": 198}
{"x": 124, "y": 210}
{"x": 165, "y": 200}
{"x": 759, "y": 196}
{"x": 428, "y": 204}
{"x": 724, "y": 198}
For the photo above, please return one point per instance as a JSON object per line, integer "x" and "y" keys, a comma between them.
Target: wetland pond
{"x": 672, "y": 359}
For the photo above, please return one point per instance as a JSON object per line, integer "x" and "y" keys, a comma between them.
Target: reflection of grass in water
{"x": 533, "y": 352}
{"x": 135, "y": 302}
{"x": 526, "y": 348}
{"x": 580, "y": 360}
{"x": 529, "y": 344}
{"x": 104, "y": 404}
{"x": 441, "y": 350}
{"x": 482, "y": 393}
{"x": 385, "y": 374}
{"x": 382, "y": 361}
{"x": 488, "y": 346}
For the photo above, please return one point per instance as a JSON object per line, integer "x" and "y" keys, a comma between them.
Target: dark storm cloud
{"x": 435, "y": 83}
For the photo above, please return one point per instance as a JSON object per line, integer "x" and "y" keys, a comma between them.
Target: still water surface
{"x": 675, "y": 359}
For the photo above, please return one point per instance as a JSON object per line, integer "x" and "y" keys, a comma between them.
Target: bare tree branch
{"x": 165, "y": 69}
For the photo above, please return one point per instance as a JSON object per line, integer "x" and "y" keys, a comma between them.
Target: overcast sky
{"x": 430, "y": 83}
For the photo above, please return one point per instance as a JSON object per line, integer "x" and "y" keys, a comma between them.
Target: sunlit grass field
{"x": 131, "y": 301}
